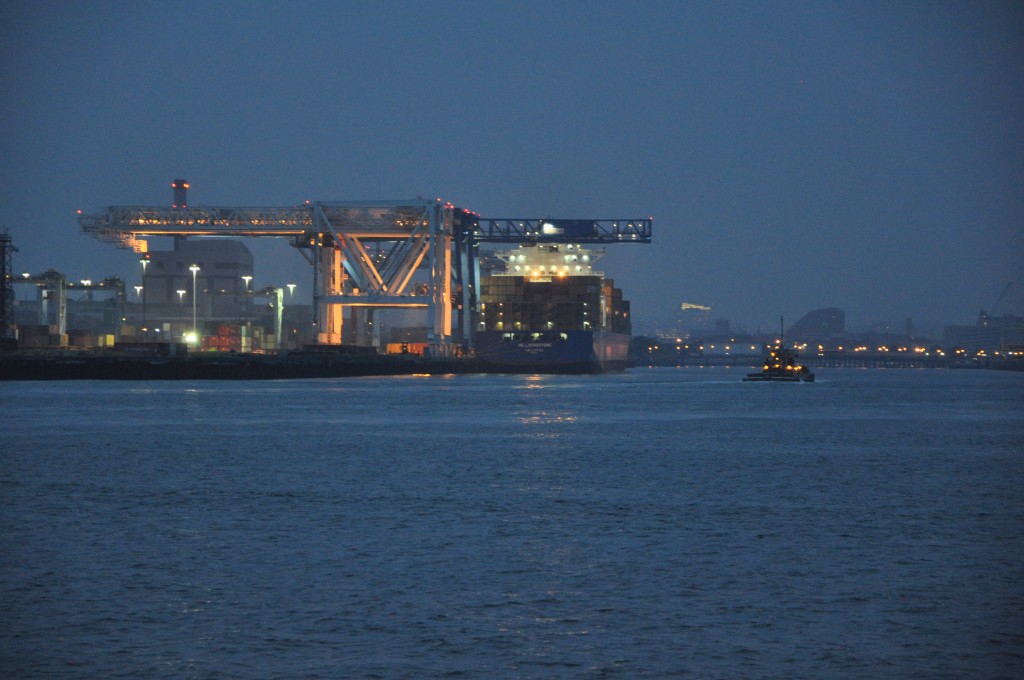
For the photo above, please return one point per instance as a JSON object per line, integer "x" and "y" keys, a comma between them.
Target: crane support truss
{"x": 365, "y": 253}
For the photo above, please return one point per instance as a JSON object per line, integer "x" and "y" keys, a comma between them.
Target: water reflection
{"x": 546, "y": 418}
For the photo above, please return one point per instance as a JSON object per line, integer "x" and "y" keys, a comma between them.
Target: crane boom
{"x": 1000, "y": 298}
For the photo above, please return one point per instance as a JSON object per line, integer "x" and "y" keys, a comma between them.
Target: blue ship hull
{"x": 553, "y": 351}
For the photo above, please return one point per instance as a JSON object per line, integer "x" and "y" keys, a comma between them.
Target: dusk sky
{"x": 794, "y": 155}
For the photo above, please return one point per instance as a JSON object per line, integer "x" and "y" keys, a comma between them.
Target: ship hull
{"x": 553, "y": 351}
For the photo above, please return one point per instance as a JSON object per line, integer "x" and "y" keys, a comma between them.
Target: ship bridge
{"x": 364, "y": 253}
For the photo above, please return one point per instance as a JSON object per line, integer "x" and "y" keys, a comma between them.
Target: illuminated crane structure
{"x": 364, "y": 253}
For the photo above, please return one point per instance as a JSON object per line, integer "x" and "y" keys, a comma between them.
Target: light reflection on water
{"x": 545, "y": 418}
{"x": 656, "y": 523}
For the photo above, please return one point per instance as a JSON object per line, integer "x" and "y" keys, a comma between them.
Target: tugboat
{"x": 781, "y": 365}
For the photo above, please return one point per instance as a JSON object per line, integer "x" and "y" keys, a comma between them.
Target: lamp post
{"x": 195, "y": 332}
{"x": 144, "y": 261}
{"x": 247, "y": 278}
{"x": 181, "y": 295}
{"x": 138, "y": 293}
{"x": 291, "y": 292}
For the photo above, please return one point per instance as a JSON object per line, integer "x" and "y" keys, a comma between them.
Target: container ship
{"x": 547, "y": 310}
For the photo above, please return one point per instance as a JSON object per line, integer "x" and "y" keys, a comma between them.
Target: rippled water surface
{"x": 657, "y": 523}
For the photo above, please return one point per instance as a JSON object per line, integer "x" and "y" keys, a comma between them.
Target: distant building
{"x": 821, "y": 324}
{"x": 222, "y": 264}
{"x": 987, "y": 334}
{"x": 693, "y": 318}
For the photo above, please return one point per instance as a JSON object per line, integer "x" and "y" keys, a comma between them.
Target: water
{"x": 657, "y": 523}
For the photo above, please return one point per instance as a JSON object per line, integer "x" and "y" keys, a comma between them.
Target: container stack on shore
{"x": 228, "y": 338}
{"x": 41, "y": 337}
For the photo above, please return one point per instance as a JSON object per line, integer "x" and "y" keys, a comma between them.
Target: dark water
{"x": 658, "y": 523}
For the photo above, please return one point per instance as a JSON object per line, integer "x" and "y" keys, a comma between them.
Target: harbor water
{"x": 656, "y": 523}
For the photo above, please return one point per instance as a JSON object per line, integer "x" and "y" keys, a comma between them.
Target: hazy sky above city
{"x": 795, "y": 155}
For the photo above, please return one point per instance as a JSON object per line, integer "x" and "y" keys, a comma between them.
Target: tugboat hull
{"x": 760, "y": 377}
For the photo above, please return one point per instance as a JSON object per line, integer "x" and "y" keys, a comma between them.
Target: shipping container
{"x": 416, "y": 348}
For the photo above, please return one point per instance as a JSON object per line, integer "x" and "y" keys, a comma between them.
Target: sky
{"x": 794, "y": 155}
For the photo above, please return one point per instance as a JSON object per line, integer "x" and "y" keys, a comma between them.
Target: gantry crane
{"x": 364, "y": 253}
{"x": 52, "y": 289}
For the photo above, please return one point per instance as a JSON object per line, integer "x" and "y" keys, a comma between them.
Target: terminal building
{"x": 223, "y": 280}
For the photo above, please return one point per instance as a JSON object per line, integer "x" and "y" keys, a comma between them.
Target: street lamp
{"x": 138, "y": 293}
{"x": 291, "y": 292}
{"x": 245, "y": 303}
{"x": 144, "y": 261}
{"x": 195, "y": 332}
{"x": 181, "y": 295}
